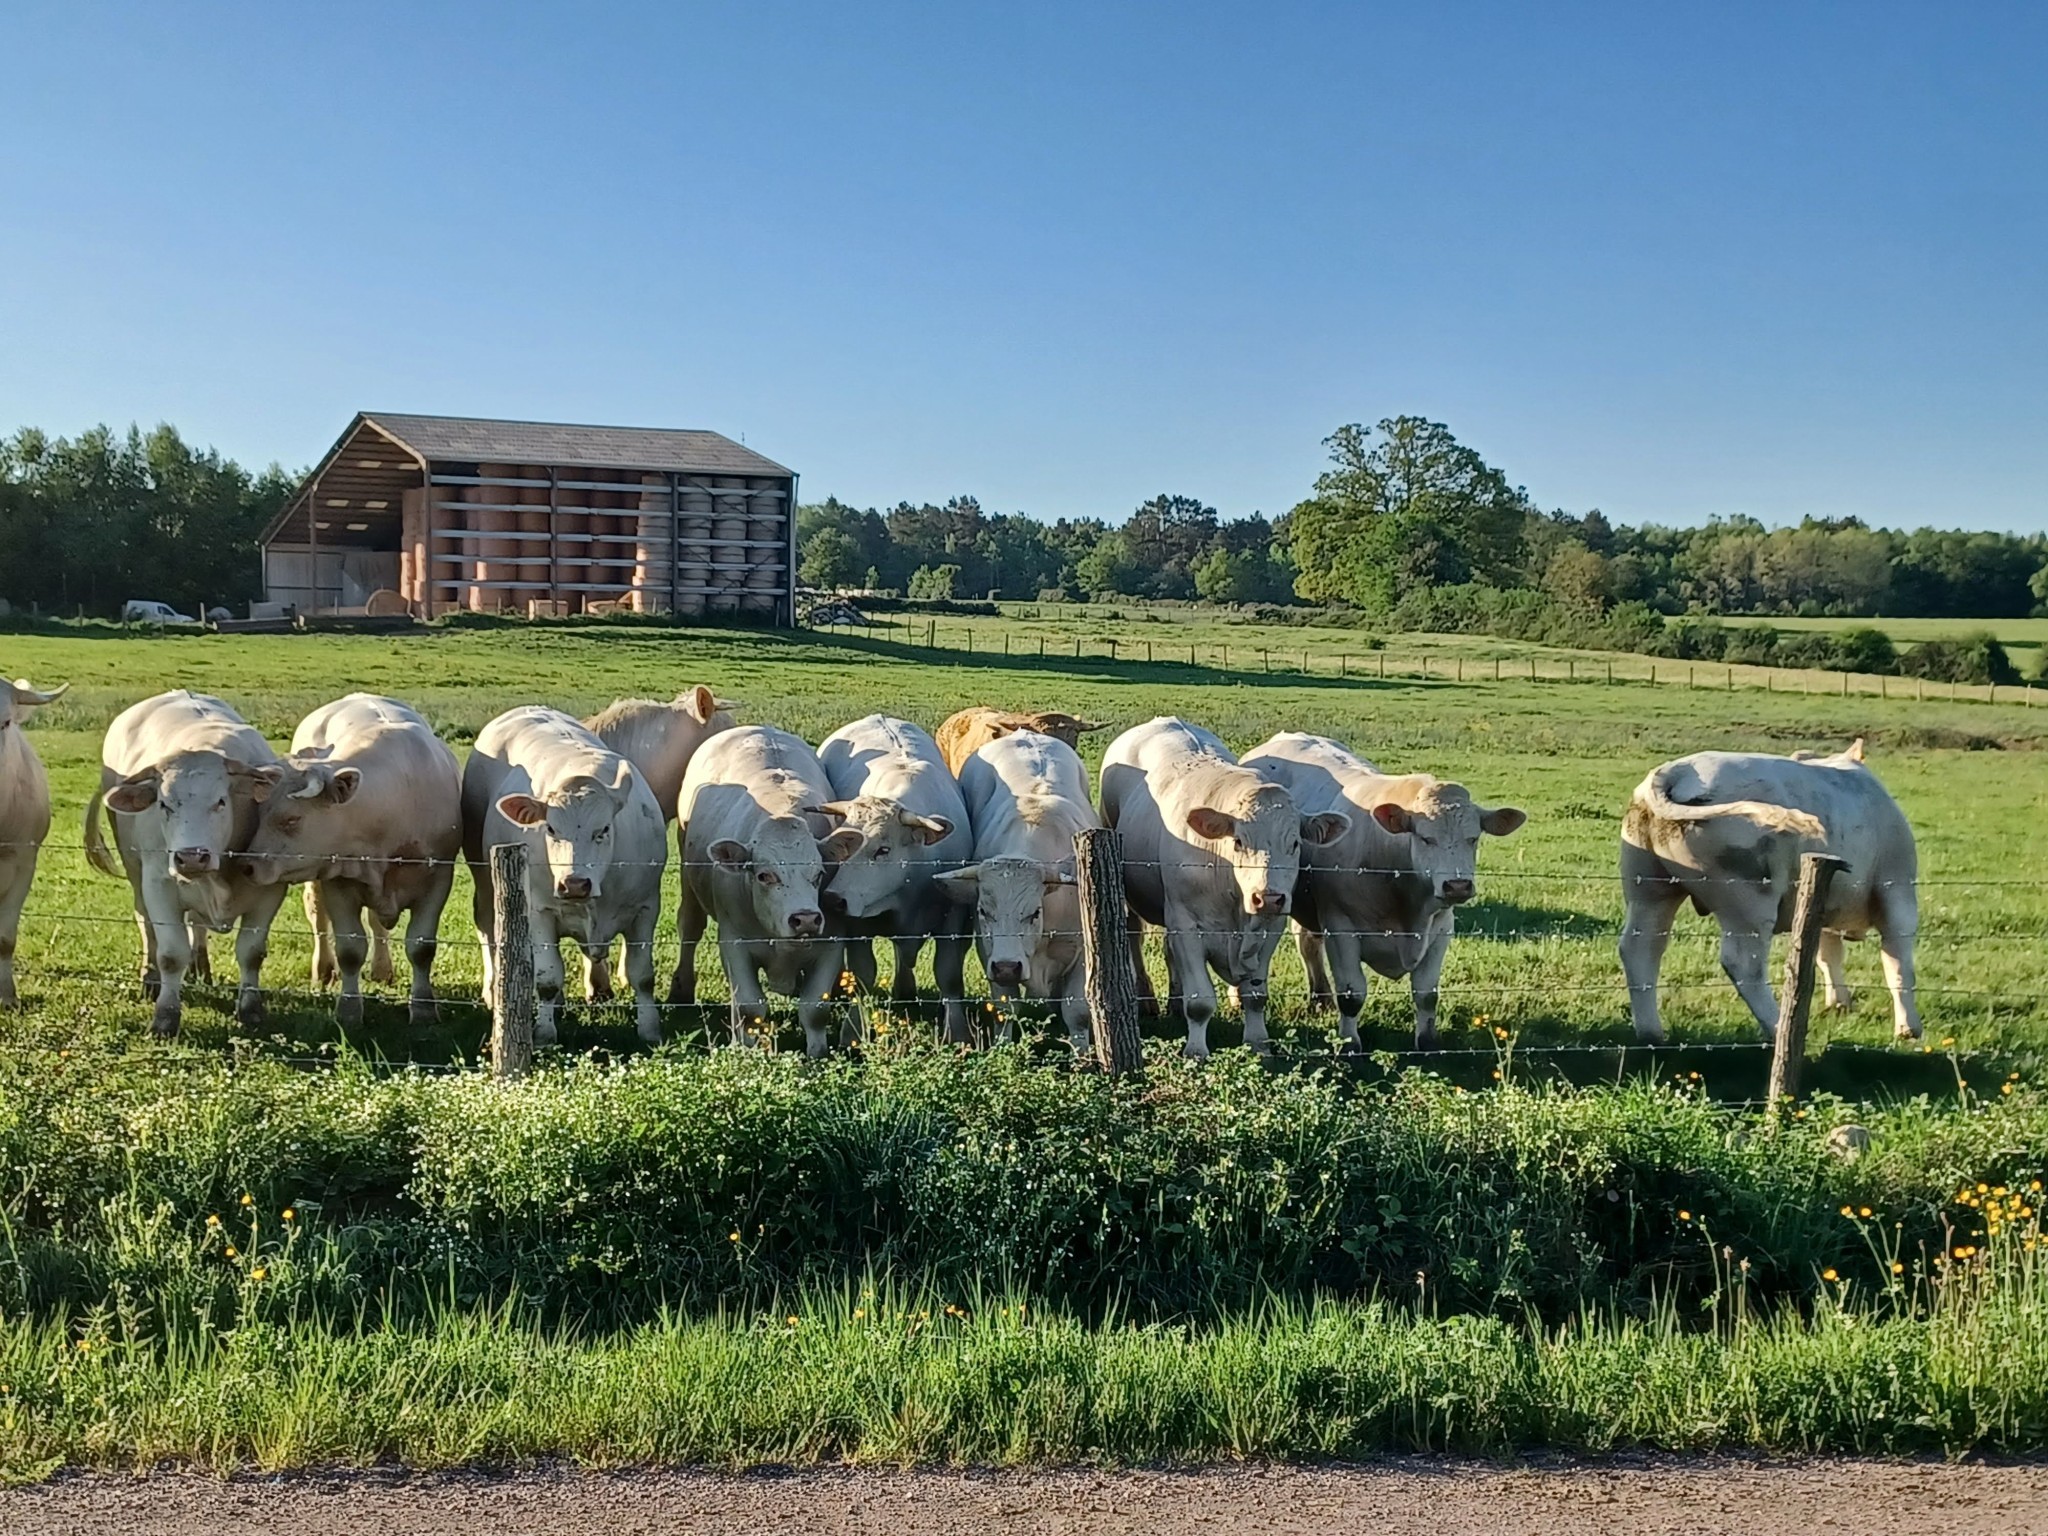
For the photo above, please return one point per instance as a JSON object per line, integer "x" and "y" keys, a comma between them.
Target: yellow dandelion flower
{"x": 258, "y": 1273}
{"x": 859, "y": 1313}
{"x": 212, "y": 1223}
{"x": 1898, "y": 1268}
{"x": 233, "y": 1252}
{"x": 290, "y": 1214}
{"x": 1846, "y": 1211}
{"x": 1983, "y": 1189}
{"x": 248, "y": 1200}
{"x": 1863, "y": 1211}
{"x": 84, "y": 1345}
{"x": 1496, "y": 1074}
{"x": 792, "y": 1322}
{"x": 2005, "y": 1088}
{"x": 1685, "y": 1215}
{"x": 1499, "y": 1033}
{"x": 1829, "y": 1275}
{"x": 1948, "y": 1039}
{"x": 732, "y": 1237}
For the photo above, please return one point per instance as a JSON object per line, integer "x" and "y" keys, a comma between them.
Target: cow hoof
{"x": 165, "y": 1024}
{"x": 251, "y": 1013}
{"x": 1425, "y": 1042}
{"x": 1192, "y": 1054}
{"x": 348, "y": 1010}
{"x": 423, "y": 1014}
{"x": 1905, "y": 1032}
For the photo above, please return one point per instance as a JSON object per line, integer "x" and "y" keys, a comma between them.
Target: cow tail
{"x": 1656, "y": 791}
{"x": 96, "y": 852}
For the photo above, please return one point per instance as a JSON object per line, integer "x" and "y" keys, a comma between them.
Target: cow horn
{"x": 26, "y": 692}
{"x": 839, "y": 808}
{"x": 314, "y": 787}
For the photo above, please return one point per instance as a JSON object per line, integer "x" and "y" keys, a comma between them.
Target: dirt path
{"x": 1395, "y": 1497}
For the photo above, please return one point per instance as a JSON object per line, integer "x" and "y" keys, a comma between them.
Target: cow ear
{"x": 1212, "y": 824}
{"x": 929, "y": 829}
{"x": 727, "y": 854}
{"x": 342, "y": 787}
{"x": 960, "y": 884}
{"x": 132, "y": 794}
{"x": 1502, "y": 820}
{"x": 621, "y": 785}
{"x": 839, "y": 846}
{"x": 699, "y": 703}
{"x": 1324, "y": 828}
{"x": 264, "y": 781}
{"x": 523, "y": 810}
{"x": 1855, "y": 752}
{"x": 1393, "y": 818}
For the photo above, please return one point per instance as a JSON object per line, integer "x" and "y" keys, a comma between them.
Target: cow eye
{"x": 882, "y": 852}
{"x": 766, "y": 877}
{"x": 600, "y": 834}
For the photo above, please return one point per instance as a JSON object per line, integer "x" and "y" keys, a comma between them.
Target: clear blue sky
{"x": 1666, "y": 260}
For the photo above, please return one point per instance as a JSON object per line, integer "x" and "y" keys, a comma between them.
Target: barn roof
{"x": 677, "y": 449}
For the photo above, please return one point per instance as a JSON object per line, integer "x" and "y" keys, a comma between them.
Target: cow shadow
{"x": 1503, "y": 918}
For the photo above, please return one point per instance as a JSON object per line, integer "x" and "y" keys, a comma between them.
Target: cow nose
{"x": 809, "y": 920}
{"x": 192, "y": 861}
{"x": 834, "y": 903}
{"x": 1006, "y": 973}
{"x": 1458, "y": 890}
{"x": 573, "y": 887}
{"x": 1269, "y": 902}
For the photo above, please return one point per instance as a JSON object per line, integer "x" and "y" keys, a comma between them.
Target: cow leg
{"x": 639, "y": 968}
{"x": 814, "y": 1003}
{"x": 1839, "y": 997}
{"x": 381, "y": 969}
{"x": 1251, "y": 1002}
{"x": 903, "y": 979}
{"x": 749, "y": 1002}
{"x": 1423, "y": 980}
{"x": 1347, "y": 982}
{"x": 548, "y": 974}
{"x": 152, "y": 978}
{"x": 323, "y": 941}
{"x": 1649, "y": 907}
{"x": 423, "y": 943}
{"x": 597, "y": 972}
{"x": 17, "y": 873}
{"x": 252, "y": 945}
{"x": 1898, "y": 925}
{"x": 201, "y": 966}
{"x": 351, "y": 949}
{"x": 949, "y": 970}
{"x": 1074, "y": 1011}
{"x": 860, "y": 965}
{"x": 690, "y": 924}
{"x": 1311, "y": 946}
{"x": 1746, "y": 957}
{"x": 483, "y": 911}
{"x": 1148, "y": 1000}
{"x": 1187, "y": 979}
{"x": 173, "y": 958}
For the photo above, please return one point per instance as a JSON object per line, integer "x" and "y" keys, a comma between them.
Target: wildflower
{"x": 1499, "y": 1033}
{"x": 732, "y": 1237}
{"x": 792, "y": 1321}
{"x": 1847, "y": 1212}
{"x": 248, "y": 1200}
{"x": 1898, "y": 1268}
{"x": 1864, "y": 1212}
{"x": 1496, "y": 1074}
{"x": 233, "y": 1251}
{"x": 212, "y": 1223}
{"x": 1829, "y": 1275}
{"x": 258, "y": 1273}
{"x": 859, "y": 1313}
{"x": 84, "y": 1346}
{"x": 1948, "y": 1039}
{"x": 1685, "y": 1215}
{"x": 2005, "y": 1088}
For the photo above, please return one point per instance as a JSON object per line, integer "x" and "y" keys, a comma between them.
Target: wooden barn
{"x": 424, "y": 514}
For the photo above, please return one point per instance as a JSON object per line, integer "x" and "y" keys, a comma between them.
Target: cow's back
{"x": 146, "y": 733}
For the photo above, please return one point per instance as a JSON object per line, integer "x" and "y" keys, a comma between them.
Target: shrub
{"x": 1972, "y": 658}
{"x": 1864, "y": 648}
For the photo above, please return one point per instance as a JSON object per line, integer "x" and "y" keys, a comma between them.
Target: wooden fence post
{"x": 1110, "y": 978}
{"x": 1816, "y": 872}
{"x": 512, "y": 995}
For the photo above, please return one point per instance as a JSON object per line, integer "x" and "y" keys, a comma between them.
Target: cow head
{"x": 1010, "y": 896}
{"x": 1056, "y": 724}
{"x": 18, "y": 698}
{"x": 1262, "y": 837}
{"x": 301, "y": 823}
{"x": 890, "y": 841}
{"x": 200, "y": 797}
{"x": 785, "y": 871}
{"x": 577, "y": 826}
{"x": 1441, "y": 827}
{"x": 705, "y": 708}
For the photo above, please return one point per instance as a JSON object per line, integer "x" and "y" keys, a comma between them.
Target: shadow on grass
{"x": 1497, "y": 918}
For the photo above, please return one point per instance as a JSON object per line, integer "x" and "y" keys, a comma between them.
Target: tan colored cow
{"x": 24, "y": 816}
{"x": 965, "y": 733}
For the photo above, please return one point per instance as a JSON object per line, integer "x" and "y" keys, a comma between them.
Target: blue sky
{"x": 1670, "y": 261}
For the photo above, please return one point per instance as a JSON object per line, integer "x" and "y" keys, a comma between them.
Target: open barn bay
{"x": 910, "y": 1254}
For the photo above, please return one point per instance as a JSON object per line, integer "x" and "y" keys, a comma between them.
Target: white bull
{"x": 894, "y": 789}
{"x": 367, "y": 809}
{"x": 178, "y": 772}
{"x": 596, "y": 847}
{"x": 1726, "y": 830}
{"x": 24, "y": 816}
{"x": 1383, "y": 894}
{"x": 1211, "y": 853}
{"x": 1027, "y": 800}
{"x": 756, "y": 843}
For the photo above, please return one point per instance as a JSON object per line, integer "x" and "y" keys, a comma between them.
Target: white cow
{"x": 1383, "y": 894}
{"x": 367, "y": 809}
{"x": 893, "y": 788}
{"x": 595, "y": 842}
{"x": 1027, "y": 800}
{"x": 756, "y": 842}
{"x": 178, "y": 772}
{"x": 1726, "y": 829}
{"x": 24, "y": 816}
{"x": 1211, "y": 854}
{"x": 658, "y": 739}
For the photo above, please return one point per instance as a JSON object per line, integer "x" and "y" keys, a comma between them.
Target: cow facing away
{"x": 1726, "y": 830}
{"x": 1212, "y": 852}
{"x": 757, "y": 845}
{"x": 967, "y": 732}
{"x": 178, "y": 772}
{"x": 892, "y": 787}
{"x": 595, "y": 842}
{"x": 366, "y": 809}
{"x": 1384, "y": 893}
{"x": 1027, "y": 799}
{"x": 24, "y": 816}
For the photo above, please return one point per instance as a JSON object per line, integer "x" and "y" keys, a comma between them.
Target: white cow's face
{"x": 785, "y": 872}
{"x": 195, "y": 795}
{"x": 1010, "y": 896}
{"x": 1262, "y": 841}
{"x": 301, "y": 821}
{"x": 1442, "y": 828}
{"x": 891, "y": 838}
{"x": 578, "y": 830}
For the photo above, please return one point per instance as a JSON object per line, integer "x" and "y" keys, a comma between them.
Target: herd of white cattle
{"x": 804, "y": 856}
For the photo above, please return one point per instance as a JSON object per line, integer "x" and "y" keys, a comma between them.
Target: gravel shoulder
{"x": 1392, "y": 1497}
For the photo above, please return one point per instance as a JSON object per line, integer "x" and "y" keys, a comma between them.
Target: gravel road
{"x": 1428, "y": 1497}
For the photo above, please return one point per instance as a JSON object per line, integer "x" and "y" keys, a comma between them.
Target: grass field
{"x": 550, "y": 1217}
{"x": 2018, "y": 635}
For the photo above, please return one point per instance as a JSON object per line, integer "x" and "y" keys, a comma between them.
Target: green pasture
{"x": 2013, "y": 634}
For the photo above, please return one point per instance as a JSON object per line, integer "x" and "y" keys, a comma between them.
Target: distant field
{"x": 2011, "y": 633}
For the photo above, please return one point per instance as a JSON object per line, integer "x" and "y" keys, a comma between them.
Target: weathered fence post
{"x": 512, "y": 996}
{"x": 1816, "y": 872}
{"x": 1110, "y": 978}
